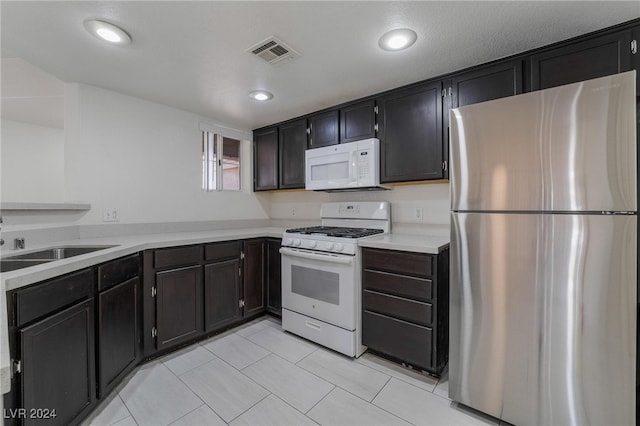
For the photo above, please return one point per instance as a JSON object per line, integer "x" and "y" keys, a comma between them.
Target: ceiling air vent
{"x": 272, "y": 51}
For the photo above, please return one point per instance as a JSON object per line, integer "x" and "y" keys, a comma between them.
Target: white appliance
{"x": 348, "y": 166}
{"x": 321, "y": 285}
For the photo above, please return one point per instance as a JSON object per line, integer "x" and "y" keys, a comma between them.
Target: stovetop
{"x": 336, "y": 231}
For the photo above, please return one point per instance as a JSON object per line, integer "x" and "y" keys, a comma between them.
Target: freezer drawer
{"x": 543, "y": 317}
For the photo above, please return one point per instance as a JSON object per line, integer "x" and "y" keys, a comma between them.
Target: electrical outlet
{"x": 293, "y": 211}
{"x": 110, "y": 214}
{"x": 417, "y": 214}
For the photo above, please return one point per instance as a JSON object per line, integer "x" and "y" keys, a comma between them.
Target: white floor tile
{"x": 294, "y": 385}
{"x": 237, "y": 351}
{"x": 203, "y": 416}
{"x": 442, "y": 389}
{"x": 421, "y": 380}
{"x": 187, "y": 359}
{"x": 342, "y": 408}
{"x": 155, "y": 396}
{"x": 127, "y": 421}
{"x": 112, "y": 412}
{"x": 424, "y": 408}
{"x": 286, "y": 345}
{"x": 350, "y": 375}
{"x": 273, "y": 322}
{"x": 272, "y": 411}
{"x": 227, "y": 391}
{"x": 251, "y": 328}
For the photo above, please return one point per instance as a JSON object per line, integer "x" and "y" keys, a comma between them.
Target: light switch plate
{"x": 110, "y": 214}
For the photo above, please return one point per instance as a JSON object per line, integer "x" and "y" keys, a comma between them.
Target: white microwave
{"x": 348, "y": 166}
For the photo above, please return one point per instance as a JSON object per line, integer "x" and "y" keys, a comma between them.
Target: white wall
{"x": 433, "y": 198}
{"x": 145, "y": 160}
{"x": 32, "y": 166}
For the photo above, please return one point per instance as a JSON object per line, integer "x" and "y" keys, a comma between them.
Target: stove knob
{"x": 296, "y": 242}
{"x": 329, "y": 246}
{"x": 287, "y": 242}
{"x": 312, "y": 244}
{"x": 339, "y": 247}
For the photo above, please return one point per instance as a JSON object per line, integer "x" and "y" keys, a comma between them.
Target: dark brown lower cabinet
{"x": 118, "y": 333}
{"x": 253, "y": 277}
{"x": 222, "y": 290}
{"x": 405, "y": 300}
{"x": 273, "y": 281}
{"x": 58, "y": 366}
{"x": 179, "y": 305}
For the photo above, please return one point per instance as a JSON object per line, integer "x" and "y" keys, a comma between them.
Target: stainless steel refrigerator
{"x": 544, "y": 255}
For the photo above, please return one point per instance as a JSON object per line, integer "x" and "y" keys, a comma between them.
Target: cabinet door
{"x": 222, "y": 294}
{"x": 324, "y": 129}
{"x": 292, "y": 145}
{"x": 593, "y": 58}
{"x": 488, "y": 83}
{"x": 273, "y": 277}
{"x": 179, "y": 305}
{"x": 118, "y": 333}
{"x": 635, "y": 58}
{"x": 58, "y": 364}
{"x": 265, "y": 159}
{"x": 358, "y": 121}
{"x": 410, "y": 132}
{"x": 253, "y": 277}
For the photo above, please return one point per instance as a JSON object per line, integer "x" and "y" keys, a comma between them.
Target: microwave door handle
{"x": 316, "y": 256}
{"x": 354, "y": 166}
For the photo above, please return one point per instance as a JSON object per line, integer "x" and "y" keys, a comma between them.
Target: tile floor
{"x": 259, "y": 375}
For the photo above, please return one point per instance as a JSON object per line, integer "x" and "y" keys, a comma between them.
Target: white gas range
{"x": 321, "y": 284}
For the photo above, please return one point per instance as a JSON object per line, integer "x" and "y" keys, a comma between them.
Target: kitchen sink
{"x": 57, "y": 253}
{"x": 19, "y": 261}
{"x": 7, "y": 265}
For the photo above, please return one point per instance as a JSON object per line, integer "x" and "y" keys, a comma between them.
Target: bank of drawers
{"x": 404, "y": 305}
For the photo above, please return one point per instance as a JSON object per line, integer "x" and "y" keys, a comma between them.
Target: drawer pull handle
{"x": 312, "y": 325}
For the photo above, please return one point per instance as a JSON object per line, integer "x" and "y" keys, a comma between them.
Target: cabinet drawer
{"x": 177, "y": 256}
{"x": 221, "y": 251}
{"x": 399, "y": 285}
{"x": 48, "y": 297}
{"x": 399, "y": 339}
{"x": 398, "y": 307}
{"x": 118, "y": 271}
{"x": 400, "y": 262}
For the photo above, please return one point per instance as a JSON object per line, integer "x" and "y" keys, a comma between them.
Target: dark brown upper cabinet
{"x": 324, "y": 129}
{"x": 487, "y": 83}
{"x": 358, "y": 121}
{"x": 410, "y": 133}
{"x": 265, "y": 159}
{"x": 480, "y": 85}
{"x": 583, "y": 60}
{"x": 292, "y": 145}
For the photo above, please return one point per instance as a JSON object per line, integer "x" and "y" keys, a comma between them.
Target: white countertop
{"x": 407, "y": 242}
{"x": 125, "y": 245}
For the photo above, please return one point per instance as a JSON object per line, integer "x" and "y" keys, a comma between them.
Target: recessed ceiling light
{"x": 260, "y": 95}
{"x": 106, "y": 31}
{"x": 397, "y": 39}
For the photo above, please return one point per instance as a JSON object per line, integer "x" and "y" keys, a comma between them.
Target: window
{"x": 220, "y": 162}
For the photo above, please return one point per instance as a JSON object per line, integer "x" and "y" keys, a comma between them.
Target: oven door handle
{"x": 347, "y": 260}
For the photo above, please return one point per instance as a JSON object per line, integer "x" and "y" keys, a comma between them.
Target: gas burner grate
{"x": 336, "y": 231}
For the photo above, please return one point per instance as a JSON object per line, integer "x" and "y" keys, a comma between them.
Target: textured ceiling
{"x": 191, "y": 55}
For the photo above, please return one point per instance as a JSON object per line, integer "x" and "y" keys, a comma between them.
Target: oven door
{"x": 320, "y": 285}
